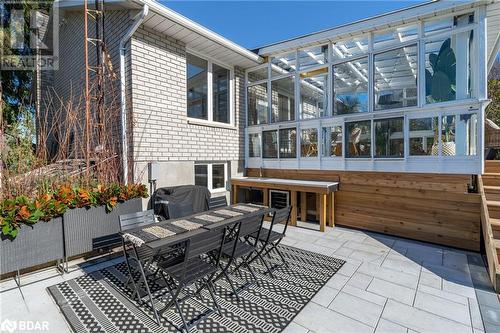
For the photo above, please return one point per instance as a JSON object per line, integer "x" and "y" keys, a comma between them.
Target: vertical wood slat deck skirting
{"x": 428, "y": 207}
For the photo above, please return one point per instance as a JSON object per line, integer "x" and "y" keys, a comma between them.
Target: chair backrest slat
{"x": 281, "y": 216}
{"x": 251, "y": 225}
{"x": 217, "y": 202}
{"x": 206, "y": 242}
{"x": 135, "y": 220}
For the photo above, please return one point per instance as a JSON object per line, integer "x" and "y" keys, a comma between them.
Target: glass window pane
{"x": 283, "y": 108}
{"x": 284, "y": 64}
{"x": 389, "y": 137}
{"x": 257, "y": 104}
{"x": 197, "y": 70}
{"x": 466, "y": 135}
{"x": 332, "y": 141}
{"x": 359, "y": 139}
{"x": 218, "y": 178}
{"x": 201, "y": 175}
{"x": 220, "y": 84}
{"x": 350, "y": 87}
{"x": 270, "y": 144}
{"x": 309, "y": 142}
{"x": 448, "y": 68}
{"x": 254, "y": 145}
{"x": 288, "y": 143}
{"x": 423, "y": 136}
{"x": 396, "y": 78}
{"x": 350, "y": 48}
{"x": 314, "y": 94}
{"x": 395, "y": 36}
{"x": 257, "y": 75}
{"x": 313, "y": 56}
{"x": 448, "y": 146}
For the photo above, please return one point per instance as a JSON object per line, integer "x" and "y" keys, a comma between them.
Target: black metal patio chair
{"x": 270, "y": 239}
{"x": 217, "y": 202}
{"x": 138, "y": 259}
{"x": 200, "y": 263}
{"x": 241, "y": 249}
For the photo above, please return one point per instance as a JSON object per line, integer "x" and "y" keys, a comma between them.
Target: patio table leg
{"x": 235, "y": 194}
{"x": 318, "y": 206}
{"x": 303, "y": 206}
{"x": 265, "y": 196}
{"x": 331, "y": 212}
{"x": 322, "y": 211}
{"x": 294, "y": 208}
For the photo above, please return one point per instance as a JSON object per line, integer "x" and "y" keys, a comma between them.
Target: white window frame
{"x": 210, "y": 176}
{"x": 210, "y": 105}
{"x": 407, "y": 163}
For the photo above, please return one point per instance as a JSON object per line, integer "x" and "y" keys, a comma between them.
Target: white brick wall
{"x": 156, "y": 99}
{"x": 161, "y": 129}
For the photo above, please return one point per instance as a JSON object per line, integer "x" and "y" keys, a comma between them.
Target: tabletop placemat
{"x": 228, "y": 213}
{"x": 157, "y": 231}
{"x": 209, "y": 218}
{"x": 248, "y": 208}
{"x": 188, "y": 225}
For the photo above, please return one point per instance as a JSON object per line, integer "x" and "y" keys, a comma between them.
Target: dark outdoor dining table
{"x": 165, "y": 233}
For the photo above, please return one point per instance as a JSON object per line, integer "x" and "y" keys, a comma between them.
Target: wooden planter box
{"x": 83, "y": 225}
{"x": 35, "y": 245}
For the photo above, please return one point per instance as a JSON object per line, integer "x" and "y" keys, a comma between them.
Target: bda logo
{"x": 8, "y": 326}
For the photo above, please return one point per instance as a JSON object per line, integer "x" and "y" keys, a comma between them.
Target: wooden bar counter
{"x": 324, "y": 190}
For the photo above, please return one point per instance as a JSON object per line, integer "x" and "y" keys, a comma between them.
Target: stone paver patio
{"x": 388, "y": 284}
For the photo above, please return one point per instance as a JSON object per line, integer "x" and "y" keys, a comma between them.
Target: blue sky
{"x": 257, "y": 23}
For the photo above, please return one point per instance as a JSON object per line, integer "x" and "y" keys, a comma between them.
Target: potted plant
{"x": 41, "y": 239}
{"x": 100, "y": 218}
{"x": 63, "y": 223}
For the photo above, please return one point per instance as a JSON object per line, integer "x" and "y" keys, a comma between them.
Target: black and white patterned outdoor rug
{"x": 99, "y": 302}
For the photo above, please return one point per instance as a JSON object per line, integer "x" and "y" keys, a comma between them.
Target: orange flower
{"x": 113, "y": 201}
{"x": 46, "y": 197}
{"x": 24, "y": 213}
{"x": 38, "y": 204}
{"x": 64, "y": 190}
{"x": 84, "y": 195}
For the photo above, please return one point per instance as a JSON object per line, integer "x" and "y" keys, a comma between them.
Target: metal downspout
{"x": 137, "y": 21}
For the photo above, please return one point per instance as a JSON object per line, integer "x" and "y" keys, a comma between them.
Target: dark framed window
{"x": 288, "y": 143}
{"x": 309, "y": 142}
{"x": 359, "y": 139}
{"x": 389, "y": 137}
{"x": 270, "y": 144}
{"x": 220, "y": 88}
{"x": 197, "y": 81}
{"x": 201, "y": 175}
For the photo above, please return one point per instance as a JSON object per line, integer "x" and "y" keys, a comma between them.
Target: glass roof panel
{"x": 395, "y": 36}
{"x": 284, "y": 64}
{"x": 313, "y": 56}
{"x": 350, "y": 48}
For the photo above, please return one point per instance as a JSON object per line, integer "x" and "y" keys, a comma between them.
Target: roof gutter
{"x": 137, "y": 21}
{"x": 199, "y": 29}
